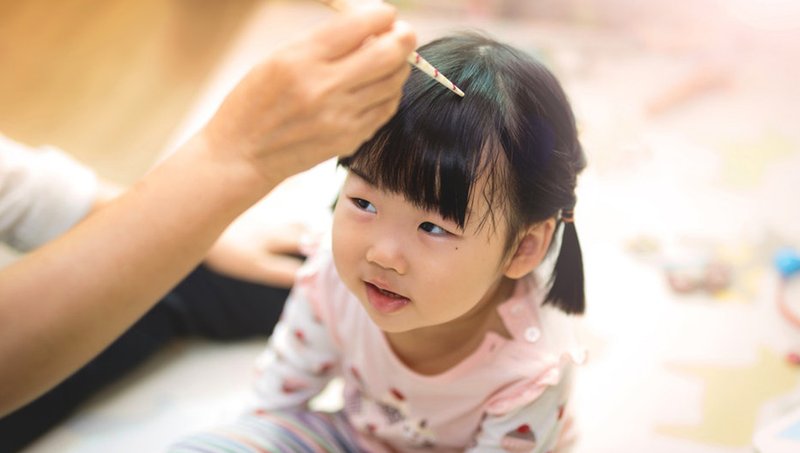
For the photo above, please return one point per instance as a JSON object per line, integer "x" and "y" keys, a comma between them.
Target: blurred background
{"x": 686, "y": 109}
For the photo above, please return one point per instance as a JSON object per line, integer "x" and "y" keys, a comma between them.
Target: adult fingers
{"x": 377, "y": 114}
{"x": 278, "y": 270}
{"x": 364, "y": 97}
{"x": 348, "y": 31}
{"x": 378, "y": 58}
{"x": 286, "y": 239}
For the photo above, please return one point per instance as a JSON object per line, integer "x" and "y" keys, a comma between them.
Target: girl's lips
{"x": 385, "y": 301}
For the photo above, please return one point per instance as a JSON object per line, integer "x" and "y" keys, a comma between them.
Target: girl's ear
{"x": 530, "y": 249}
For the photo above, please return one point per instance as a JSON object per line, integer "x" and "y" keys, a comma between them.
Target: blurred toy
{"x": 711, "y": 276}
{"x": 787, "y": 261}
{"x": 688, "y": 267}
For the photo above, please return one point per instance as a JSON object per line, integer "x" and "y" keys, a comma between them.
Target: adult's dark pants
{"x": 205, "y": 304}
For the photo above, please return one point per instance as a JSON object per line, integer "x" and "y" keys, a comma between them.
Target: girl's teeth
{"x": 389, "y": 293}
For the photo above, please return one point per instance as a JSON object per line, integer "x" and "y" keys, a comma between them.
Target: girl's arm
{"x": 301, "y": 357}
{"x": 316, "y": 98}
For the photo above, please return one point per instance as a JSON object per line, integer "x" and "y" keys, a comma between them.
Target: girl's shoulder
{"x": 544, "y": 346}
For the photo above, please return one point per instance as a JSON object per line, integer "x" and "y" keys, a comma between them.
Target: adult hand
{"x": 272, "y": 258}
{"x": 318, "y": 97}
{"x": 314, "y": 99}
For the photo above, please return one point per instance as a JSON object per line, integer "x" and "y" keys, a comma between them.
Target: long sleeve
{"x": 301, "y": 357}
{"x": 43, "y": 193}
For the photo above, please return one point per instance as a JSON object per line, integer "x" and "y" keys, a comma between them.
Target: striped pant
{"x": 276, "y": 432}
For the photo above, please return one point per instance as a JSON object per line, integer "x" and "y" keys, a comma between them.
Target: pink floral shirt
{"x": 508, "y": 395}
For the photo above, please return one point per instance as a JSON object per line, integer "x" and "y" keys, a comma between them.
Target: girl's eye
{"x": 434, "y": 229}
{"x": 364, "y": 205}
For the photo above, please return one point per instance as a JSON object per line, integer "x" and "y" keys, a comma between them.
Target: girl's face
{"x": 409, "y": 267}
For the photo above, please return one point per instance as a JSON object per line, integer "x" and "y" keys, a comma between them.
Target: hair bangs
{"x": 511, "y": 142}
{"x": 438, "y": 145}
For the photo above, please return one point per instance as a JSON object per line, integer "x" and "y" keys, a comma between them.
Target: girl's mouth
{"x": 385, "y": 301}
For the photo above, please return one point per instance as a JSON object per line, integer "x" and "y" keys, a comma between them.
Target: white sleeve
{"x": 300, "y": 358}
{"x": 537, "y": 427}
{"x": 43, "y": 193}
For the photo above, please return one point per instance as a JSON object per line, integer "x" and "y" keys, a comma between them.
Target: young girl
{"x": 428, "y": 305}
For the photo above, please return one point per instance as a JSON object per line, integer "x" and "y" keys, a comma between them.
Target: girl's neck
{"x": 435, "y": 349}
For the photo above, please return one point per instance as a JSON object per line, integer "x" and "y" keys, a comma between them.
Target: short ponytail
{"x": 567, "y": 288}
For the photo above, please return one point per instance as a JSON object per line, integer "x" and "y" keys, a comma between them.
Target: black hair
{"x": 514, "y": 127}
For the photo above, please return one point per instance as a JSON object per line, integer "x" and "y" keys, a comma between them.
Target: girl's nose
{"x": 387, "y": 253}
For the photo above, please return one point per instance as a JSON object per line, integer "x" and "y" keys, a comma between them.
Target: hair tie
{"x": 568, "y": 215}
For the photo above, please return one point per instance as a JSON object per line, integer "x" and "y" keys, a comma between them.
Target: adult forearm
{"x": 311, "y": 100}
{"x": 82, "y": 290}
